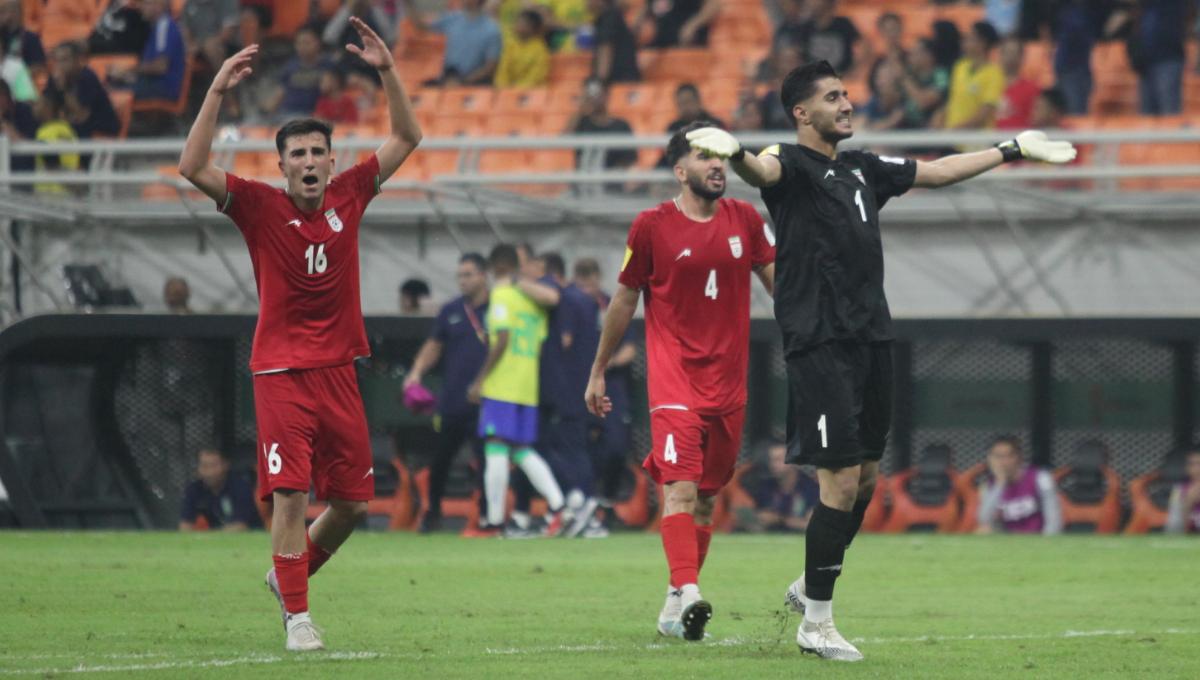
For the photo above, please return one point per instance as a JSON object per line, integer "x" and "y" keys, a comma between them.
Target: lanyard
{"x": 474, "y": 319}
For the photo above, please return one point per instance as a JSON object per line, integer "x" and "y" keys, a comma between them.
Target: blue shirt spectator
{"x": 15, "y": 40}
{"x": 785, "y": 497}
{"x": 473, "y": 44}
{"x": 300, "y": 79}
{"x": 224, "y": 500}
{"x": 164, "y": 44}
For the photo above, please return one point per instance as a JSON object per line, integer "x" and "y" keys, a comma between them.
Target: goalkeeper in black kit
{"x": 831, "y": 308}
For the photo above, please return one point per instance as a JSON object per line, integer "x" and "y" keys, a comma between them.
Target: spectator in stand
{"x": 209, "y": 30}
{"x": 17, "y": 122}
{"x": 14, "y": 72}
{"x": 679, "y": 23}
{"x": 1076, "y": 26}
{"x": 614, "y": 49}
{"x": 1157, "y": 29}
{"x": 947, "y": 44}
{"x": 976, "y": 84}
{"x": 925, "y": 86}
{"x": 15, "y": 40}
{"x": 121, "y": 29}
{"x": 793, "y": 17}
{"x": 593, "y": 118}
{"x": 158, "y": 76}
{"x": 1183, "y": 510}
{"x": 1003, "y": 15}
{"x": 460, "y": 337}
{"x": 891, "y": 32}
{"x": 338, "y": 33}
{"x": 300, "y": 81}
{"x": 1020, "y": 95}
{"x": 525, "y": 59}
{"x": 176, "y": 295}
{"x": 473, "y": 43}
{"x": 784, "y": 57}
{"x": 885, "y": 110}
{"x": 334, "y": 104}
{"x": 689, "y": 108}
{"x": 224, "y": 500}
{"x": 786, "y": 496}
{"x": 832, "y": 38}
{"x": 51, "y": 112}
{"x": 747, "y": 116}
{"x": 89, "y": 110}
{"x": 414, "y": 296}
{"x": 1017, "y": 498}
{"x": 1048, "y": 111}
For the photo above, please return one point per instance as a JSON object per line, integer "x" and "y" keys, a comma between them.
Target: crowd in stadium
{"x": 83, "y": 68}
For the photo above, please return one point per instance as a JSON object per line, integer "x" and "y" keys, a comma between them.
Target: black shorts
{"x": 839, "y": 404}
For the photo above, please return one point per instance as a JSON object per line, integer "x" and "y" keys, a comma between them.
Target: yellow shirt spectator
{"x": 971, "y": 89}
{"x": 525, "y": 58}
{"x": 55, "y": 131}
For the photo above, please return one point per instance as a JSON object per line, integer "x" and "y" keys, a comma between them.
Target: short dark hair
{"x": 586, "y": 267}
{"x": 534, "y": 17}
{"x": 415, "y": 288}
{"x": 475, "y": 259}
{"x": 1055, "y": 97}
{"x": 679, "y": 146}
{"x": 1010, "y": 439}
{"x": 801, "y": 83}
{"x": 310, "y": 27}
{"x": 504, "y": 256}
{"x": 688, "y": 87}
{"x": 555, "y": 264}
{"x": 986, "y": 32}
{"x": 303, "y": 126}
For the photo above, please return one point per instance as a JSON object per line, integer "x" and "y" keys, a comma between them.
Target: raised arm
{"x": 543, "y": 295}
{"x": 758, "y": 171}
{"x": 406, "y": 132}
{"x": 1031, "y": 144}
{"x": 616, "y": 321}
{"x": 195, "y": 163}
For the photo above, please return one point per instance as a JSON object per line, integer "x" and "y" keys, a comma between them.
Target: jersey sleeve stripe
{"x": 228, "y": 202}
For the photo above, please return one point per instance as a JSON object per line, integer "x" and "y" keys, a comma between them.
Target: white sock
{"x": 295, "y": 619}
{"x": 495, "y": 487}
{"x": 816, "y": 611}
{"x": 690, "y": 590}
{"x": 542, "y": 479}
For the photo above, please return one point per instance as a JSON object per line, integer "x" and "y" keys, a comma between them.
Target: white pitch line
{"x": 175, "y": 665}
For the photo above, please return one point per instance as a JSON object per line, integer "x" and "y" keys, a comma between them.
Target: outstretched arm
{"x": 616, "y": 321}
{"x": 406, "y": 132}
{"x": 1031, "y": 144}
{"x": 195, "y": 163}
{"x": 757, "y": 171}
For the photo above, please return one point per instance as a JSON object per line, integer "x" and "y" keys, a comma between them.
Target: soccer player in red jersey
{"x": 303, "y": 243}
{"x": 693, "y": 256}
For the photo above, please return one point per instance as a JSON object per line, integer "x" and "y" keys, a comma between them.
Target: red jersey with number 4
{"x": 696, "y": 277}
{"x": 306, "y": 269}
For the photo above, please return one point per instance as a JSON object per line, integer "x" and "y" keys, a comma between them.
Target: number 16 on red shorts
{"x": 693, "y": 447}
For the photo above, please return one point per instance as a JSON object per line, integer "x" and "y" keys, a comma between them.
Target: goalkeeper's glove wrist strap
{"x": 738, "y": 155}
{"x": 1010, "y": 150}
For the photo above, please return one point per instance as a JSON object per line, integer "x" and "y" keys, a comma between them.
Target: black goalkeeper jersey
{"x": 829, "y": 262}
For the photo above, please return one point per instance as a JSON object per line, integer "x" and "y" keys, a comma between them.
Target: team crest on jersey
{"x": 735, "y": 245}
{"x": 858, "y": 173}
{"x": 335, "y": 222}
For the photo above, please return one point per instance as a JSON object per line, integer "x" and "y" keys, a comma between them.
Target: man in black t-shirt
{"x": 89, "y": 109}
{"x": 593, "y": 118}
{"x": 614, "y": 55}
{"x": 831, "y": 308}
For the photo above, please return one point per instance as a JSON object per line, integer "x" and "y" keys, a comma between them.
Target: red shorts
{"x": 690, "y": 447}
{"x": 312, "y": 430}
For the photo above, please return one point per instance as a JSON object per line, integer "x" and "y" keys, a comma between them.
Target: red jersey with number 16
{"x": 306, "y": 269}
{"x": 697, "y": 277}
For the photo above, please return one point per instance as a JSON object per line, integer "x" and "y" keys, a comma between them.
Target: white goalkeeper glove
{"x": 1035, "y": 145}
{"x": 715, "y": 142}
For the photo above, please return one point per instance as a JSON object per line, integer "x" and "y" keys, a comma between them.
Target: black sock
{"x": 857, "y": 514}
{"x": 824, "y": 547}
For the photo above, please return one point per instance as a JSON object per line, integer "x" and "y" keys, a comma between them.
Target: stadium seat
{"x": 968, "y": 492}
{"x": 1089, "y": 490}
{"x": 64, "y": 20}
{"x": 924, "y": 495}
{"x": 877, "y": 511}
{"x": 563, "y": 98}
{"x": 635, "y": 510}
{"x": 570, "y": 67}
{"x": 287, "y": 16}
{"x": 466, "y": 508}
{"x": 467, "y": 101}
{"x": 628, "y": 99}
{"x": 1149, "y": 495}
{"x": 521, "y": 100}
{"x": 676, "y": 64}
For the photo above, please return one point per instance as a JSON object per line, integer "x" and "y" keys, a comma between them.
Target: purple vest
{"x": 1020, "y": 505}
{"x": 1191, "y": 520}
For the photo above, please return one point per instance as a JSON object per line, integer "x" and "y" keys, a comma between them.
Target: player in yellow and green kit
{"x": 507, "y": 388}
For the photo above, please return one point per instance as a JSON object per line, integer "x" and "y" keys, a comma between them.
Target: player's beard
{"x": 832, "y": 134}
{"x": 697, "y": 185}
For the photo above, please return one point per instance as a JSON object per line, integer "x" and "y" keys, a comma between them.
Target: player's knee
{"x": 840, "y": 489}
{"x": 351, "y": 512}
{"x": 704, "y": 509}
{"x": 680, "y": 497}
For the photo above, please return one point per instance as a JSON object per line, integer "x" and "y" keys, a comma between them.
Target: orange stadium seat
{"x": 63, "y": 20}
{"x": 570, "y": 67}
{"x": 563, "y": 98}
{"x": 635, "y": 510}
{"x": 676, "y": 64}
{"x": 555, "y": 123}
{"x": 287, "y": 16}
{"x": 467, "y": 508}
{"x": 631, "y": 98}
{"x": 1150, "y": 493}
{"x": 520, "y": 100}
{"x": 877, "y": 511}
{"x": 1089, "y": 491}
{"x": 924, "y": 495}
{"x": 467, "y": 100}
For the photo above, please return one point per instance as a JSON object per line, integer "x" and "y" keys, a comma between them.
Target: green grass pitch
{"x": 405, "y": 606}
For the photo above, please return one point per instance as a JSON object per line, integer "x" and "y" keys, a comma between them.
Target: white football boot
{"x": 695, "y": 613}
{"x": 822, "y": 638}
{"x": 668, "y": 619}
{"x": 302, "y": 635}
{"x": 795, "y": 598}
{"x": 273, "y": 585}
